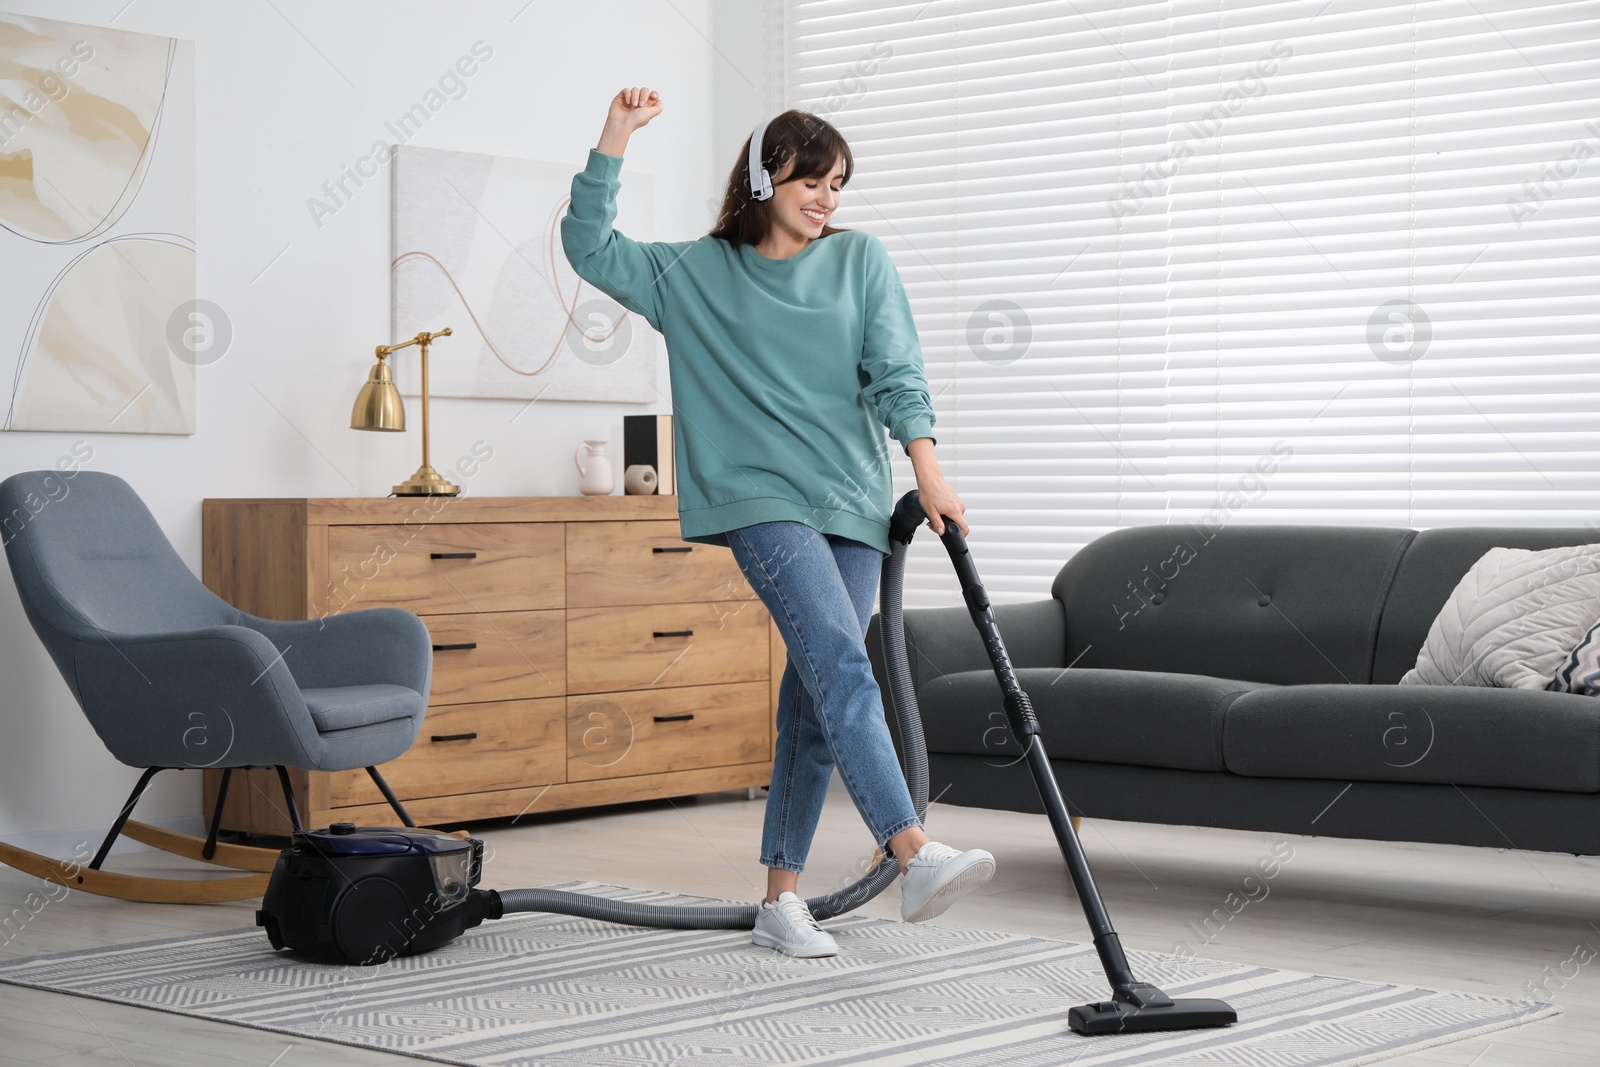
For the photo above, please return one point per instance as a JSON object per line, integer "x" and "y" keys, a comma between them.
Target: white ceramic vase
{"x": 594, "y": 469}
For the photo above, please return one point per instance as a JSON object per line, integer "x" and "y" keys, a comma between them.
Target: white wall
{"x": 283, "y": 102}
{"x": 746, "y": 77}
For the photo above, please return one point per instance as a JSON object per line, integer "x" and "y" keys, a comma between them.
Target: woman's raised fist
{"x": 634, "y": 107}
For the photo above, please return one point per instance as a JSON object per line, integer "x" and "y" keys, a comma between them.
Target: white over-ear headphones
{"x": 760, "y": 180}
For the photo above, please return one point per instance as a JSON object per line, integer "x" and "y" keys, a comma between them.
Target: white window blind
{"x": 1173, "y": 261}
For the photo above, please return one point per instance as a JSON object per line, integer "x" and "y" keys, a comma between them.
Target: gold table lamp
{"x": 378, "y": 407}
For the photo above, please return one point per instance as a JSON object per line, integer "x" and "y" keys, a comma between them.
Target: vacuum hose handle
{"x": 909, "y": 514}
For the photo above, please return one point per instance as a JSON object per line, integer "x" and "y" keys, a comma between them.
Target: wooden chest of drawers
{"x": 583, "y": 652}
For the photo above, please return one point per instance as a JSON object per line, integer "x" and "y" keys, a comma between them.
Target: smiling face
{"x": 800, "y": 208}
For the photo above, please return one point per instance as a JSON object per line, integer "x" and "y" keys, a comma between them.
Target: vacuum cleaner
{"x": 364, "y": 895}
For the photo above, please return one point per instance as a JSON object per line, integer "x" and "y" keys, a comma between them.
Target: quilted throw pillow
{"x": 1512, "y": 620}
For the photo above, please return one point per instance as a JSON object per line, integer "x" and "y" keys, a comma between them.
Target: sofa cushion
{"x": 1449, "y": 735}
{"x": 1106, "y": 716}
{"x": 1281, "y": 604}
{"x": 1512, "y": 619}
{"x": 346, "y": 707}
{"x": 1433, "y": 563}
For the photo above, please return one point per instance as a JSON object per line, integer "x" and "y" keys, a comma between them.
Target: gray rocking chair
{"x": 171, "y": 676}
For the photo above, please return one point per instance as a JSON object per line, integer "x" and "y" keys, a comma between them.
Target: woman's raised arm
{"x": 630, "y": 272}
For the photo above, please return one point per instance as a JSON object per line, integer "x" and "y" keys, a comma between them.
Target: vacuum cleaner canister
{"x": 367, "y": 894}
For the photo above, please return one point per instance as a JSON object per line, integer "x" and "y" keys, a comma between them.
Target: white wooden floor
{"x": 1475, "y": 919}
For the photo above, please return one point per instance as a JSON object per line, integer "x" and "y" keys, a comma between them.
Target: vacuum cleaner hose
{"x": 371, "y": 914}
{"x": 908, "y": 515}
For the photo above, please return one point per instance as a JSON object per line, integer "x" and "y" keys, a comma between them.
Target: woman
{"x": 791, "y": 347}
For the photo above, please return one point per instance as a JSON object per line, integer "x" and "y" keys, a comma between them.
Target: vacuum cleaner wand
{"x": 1134, "y": 1006}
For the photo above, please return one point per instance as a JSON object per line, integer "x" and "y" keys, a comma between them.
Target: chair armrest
{"x": 218, "y": 696}
{"x": 374, "y": 646}
{"x": 942, "y": 641}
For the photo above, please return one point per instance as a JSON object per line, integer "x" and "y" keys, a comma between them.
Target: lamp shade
{"x": 378, "y": 406}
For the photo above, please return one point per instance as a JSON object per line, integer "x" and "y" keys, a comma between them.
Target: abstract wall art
{"x": 97, "y": 179}
{"x": 477, "y": 247}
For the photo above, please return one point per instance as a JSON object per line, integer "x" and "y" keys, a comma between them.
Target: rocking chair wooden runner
{"x": 171, "y": 676}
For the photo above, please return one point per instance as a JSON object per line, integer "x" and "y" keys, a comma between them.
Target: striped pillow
{"x": 1580, "y": 673}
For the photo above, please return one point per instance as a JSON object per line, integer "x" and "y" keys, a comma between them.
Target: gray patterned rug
{"x": 535, "y": 989}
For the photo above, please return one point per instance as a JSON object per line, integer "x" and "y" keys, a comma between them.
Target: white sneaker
{"x": 787, "y": 925}
{"x": 938, "y": 876}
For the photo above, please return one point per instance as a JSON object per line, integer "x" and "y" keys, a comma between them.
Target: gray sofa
{"x": 1246, "y": 677}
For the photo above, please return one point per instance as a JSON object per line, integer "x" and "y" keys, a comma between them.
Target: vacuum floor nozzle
{"x": 1115, "y": 1017}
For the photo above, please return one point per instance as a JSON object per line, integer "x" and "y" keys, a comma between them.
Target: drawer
{"x": 667, "y": 645}
{"x": 500, "y": 655}
{"x": 645, "y": 732}
{"x": 646, "y": 562}
{"x": 447, "y": 567}
{"x": 499, "y": 745}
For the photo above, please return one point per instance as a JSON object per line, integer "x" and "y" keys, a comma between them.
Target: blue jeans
{"x": 820, "y": 588}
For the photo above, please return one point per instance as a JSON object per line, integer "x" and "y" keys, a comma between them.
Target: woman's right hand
{"x": 632, "y": 108}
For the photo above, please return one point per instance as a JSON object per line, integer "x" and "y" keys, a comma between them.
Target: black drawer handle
{"x": 455, "y": 737}
{"x": 674, "y": 718}
{"x": 685, "y": 548}
{"x": 674, "y": 633}
{"x": 453, "y": 555}
{"x": 462, "y": 646}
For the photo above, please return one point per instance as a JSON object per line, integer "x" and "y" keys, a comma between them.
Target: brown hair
{"x": 812, "y": 142}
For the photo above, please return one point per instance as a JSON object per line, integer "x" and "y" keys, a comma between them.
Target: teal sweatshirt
{"x": 785, "y": 372}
